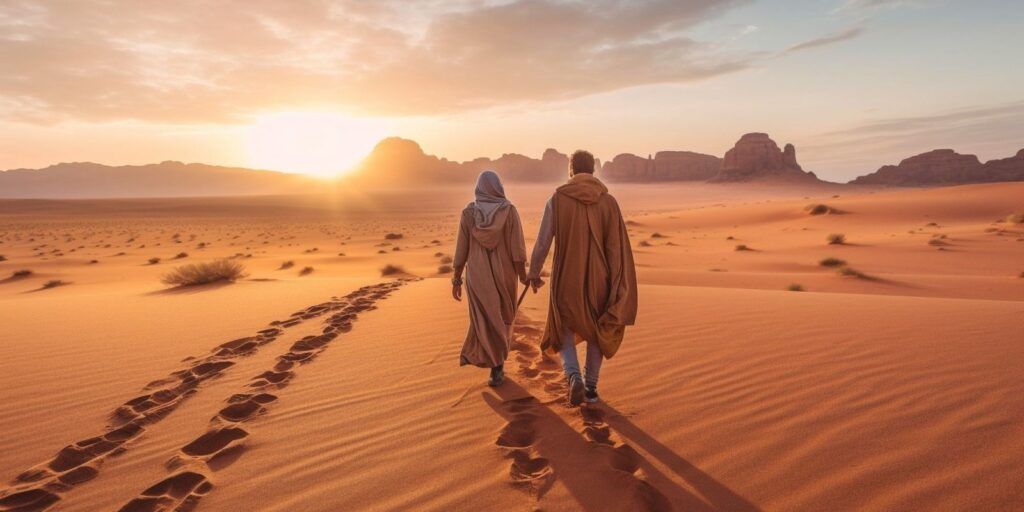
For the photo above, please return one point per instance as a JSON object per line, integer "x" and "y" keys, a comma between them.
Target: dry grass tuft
{"x": 195, "y": 274}
{"x": 743, "y": 247}
{"x": 286, "y": 265}
{"x": 836, "y": 239}
{"x": 657, "y": 235}
{"x": 154, "y": 260}
{"x": 820, "y": 209}
{"x": 795, "y": 288}
{"x": 832, "y": 262}
{"x": 446, "y": 259}
{"x": 181, "y": 255}
{"x": 3, "y": 258}
{"x": 21, "y": 273}
{"x": 849, "y": 272}
{"x": 393, "y": 236}
{"x": 306, "y": 271}
{"x": 53, "y": 283}
{"x": 444, "y": 269}
{"x": 390, "y": 270}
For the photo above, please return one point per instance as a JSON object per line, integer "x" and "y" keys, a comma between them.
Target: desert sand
{"x": 895, "y": 384}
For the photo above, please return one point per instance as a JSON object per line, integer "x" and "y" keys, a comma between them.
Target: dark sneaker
{"x": 497, "y": 377}
{"x": 575, "y": 389}
{"x": 590, "y": 395}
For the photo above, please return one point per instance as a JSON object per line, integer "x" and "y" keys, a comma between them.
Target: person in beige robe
{"x": 492, "y": 252}
{"x": 593, "y": 278}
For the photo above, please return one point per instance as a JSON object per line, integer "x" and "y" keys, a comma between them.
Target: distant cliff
{"x": 664, "y": 166}
{"x": 946, "y": 167}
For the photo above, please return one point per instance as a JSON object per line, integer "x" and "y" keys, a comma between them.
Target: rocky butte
{"x": 757, "y": 157}
{"x": 945, "y": 167}
{"x": 664, "y": 166}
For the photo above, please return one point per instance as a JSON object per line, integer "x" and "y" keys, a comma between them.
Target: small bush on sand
{"x": 836, "y": 239}
{"x": 53, "y": 283}
{"x": 390, "y": 270}
{"x": 393, "y": 236}
{"x": 203, "y": 273}
{"x": 820, "y": 209}
{"x": 849, "y": 272}
{"x": 657, "y": 235}
{"x": 832, "y": 262}
{"x": 446, "y": 259}
{"x": 154, "y": 260}
{"x": 743, "y": 247}
{"x": 1015, "y": 218}
{"x": 93, "y": 262}
{"x": 306, "y": 271}
{"x": 938, "y": 242}
{"x": 181, "y": 255}
{"x": 644, "y": 243}
{"x": 21, "y": 273}
{"x": 444, "y": 269}
{"x": 795, "y": 288}
{"x": 286, "y": 265}
{"x": 3, "y": 258}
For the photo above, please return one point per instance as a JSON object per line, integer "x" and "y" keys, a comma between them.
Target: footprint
{"x": 177, "y": 492}
{"x": 245, "y": 407}
{"x": 30, "y": 500}
{"x": 215, "y": 441}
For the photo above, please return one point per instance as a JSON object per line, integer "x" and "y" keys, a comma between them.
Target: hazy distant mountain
{"x": 165, "y": 179}
{"x": 397, "y": 162}
{"x": 946, "y": 167}
{"x": 663, "y": 166}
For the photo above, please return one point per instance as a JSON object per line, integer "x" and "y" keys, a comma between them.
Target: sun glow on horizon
{"x": 322, "y": 144}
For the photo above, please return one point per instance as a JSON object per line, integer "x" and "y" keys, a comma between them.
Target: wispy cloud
{"x": 197, "y": 61}
{"x": 838, "y": 37}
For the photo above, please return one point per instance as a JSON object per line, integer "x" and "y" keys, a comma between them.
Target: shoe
{"x": 575, "y": 389}
{"x": 590, "y": 395}
{"x": 497, "y": 377}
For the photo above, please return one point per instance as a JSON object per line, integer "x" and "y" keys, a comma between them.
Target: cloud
{"x": 198, "y": 61}
{"x": 826, "y": 40}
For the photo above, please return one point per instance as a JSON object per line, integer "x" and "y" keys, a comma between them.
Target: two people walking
{"x": 593, "y": 293}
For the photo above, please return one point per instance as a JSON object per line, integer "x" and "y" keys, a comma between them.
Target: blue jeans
{"x": 571, "y": 364}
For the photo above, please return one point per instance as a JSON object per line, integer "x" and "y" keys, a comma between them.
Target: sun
{"x": 324, "y": 144}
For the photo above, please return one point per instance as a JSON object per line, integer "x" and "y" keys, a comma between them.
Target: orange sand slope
{"x": 340, "y": 390}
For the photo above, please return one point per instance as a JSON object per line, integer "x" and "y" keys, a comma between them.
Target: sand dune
{"x": 897, "y": 390}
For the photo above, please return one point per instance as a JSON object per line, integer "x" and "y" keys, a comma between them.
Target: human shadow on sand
{"x": 600, "y": 472}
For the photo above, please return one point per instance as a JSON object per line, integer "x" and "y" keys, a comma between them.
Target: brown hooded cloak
{"x": 593, "y": 279}
{"x": 489, "y": 254}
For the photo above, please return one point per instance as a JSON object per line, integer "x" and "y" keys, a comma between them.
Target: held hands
{"x": 536, "y": 283}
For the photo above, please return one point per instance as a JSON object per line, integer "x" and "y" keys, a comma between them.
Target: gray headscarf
{"x": 490, "y": 197}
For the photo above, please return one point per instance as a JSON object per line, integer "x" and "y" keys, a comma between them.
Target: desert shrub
{"x": 836, "y": 239}
{"x": 154, "y": 260}
{"x": 446, "y": 259}
{"x": 390, "y": 270}
{"x": 203, "y": 273}
{"x": 1015, "y": 218}
{"x": 181, "y": 255}
{"x": 3, "y": 258}
{"x": 93, "y": 262}
{"x": 831, "y": 262}
{"x": 819, "y": 209}
{"x": 444, "y": 269}
{"x": 53, "y": 283}
{"x": 306, "y": 271}
{"x": 21, "y": 273}
{"x": 286, "y": 265}
{"x": 730, "y": 237}
{"x": 938, "y": 242}
{"x": 396, "y": 249}
{"x": 795, "y": 288}
{"x": 393, "y": 236}
{"x": 438, "y": 254}
{"x": 743, "y": 247}
{"x": 657, "y": 235}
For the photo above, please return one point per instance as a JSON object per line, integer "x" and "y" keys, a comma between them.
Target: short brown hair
{"x": 582, "y": 161}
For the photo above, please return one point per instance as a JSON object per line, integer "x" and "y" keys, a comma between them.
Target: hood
{"x": 490, "y": 235}
{"x": 584, "y": 188}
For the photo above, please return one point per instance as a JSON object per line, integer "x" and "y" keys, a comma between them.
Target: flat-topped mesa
{"x": 946, "y": 167}
{"x": 757, "y": 157}
{"x": 663, "y": 166}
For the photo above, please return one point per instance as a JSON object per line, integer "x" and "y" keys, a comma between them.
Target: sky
{"x": 311, "y": 85}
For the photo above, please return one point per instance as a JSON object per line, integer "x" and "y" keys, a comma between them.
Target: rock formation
{"x": 663, "y": 166}
{"x": 757, "y": 157}
{"x": 946, "y": 167}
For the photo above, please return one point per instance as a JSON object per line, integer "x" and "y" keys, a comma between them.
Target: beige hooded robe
{"x": 489, "y": 255}
{"x": 593, "y": 279}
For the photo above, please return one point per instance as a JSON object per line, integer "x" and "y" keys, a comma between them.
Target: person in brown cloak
{"x": 492, "y": 251}
{"x": 593, "y": 279}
